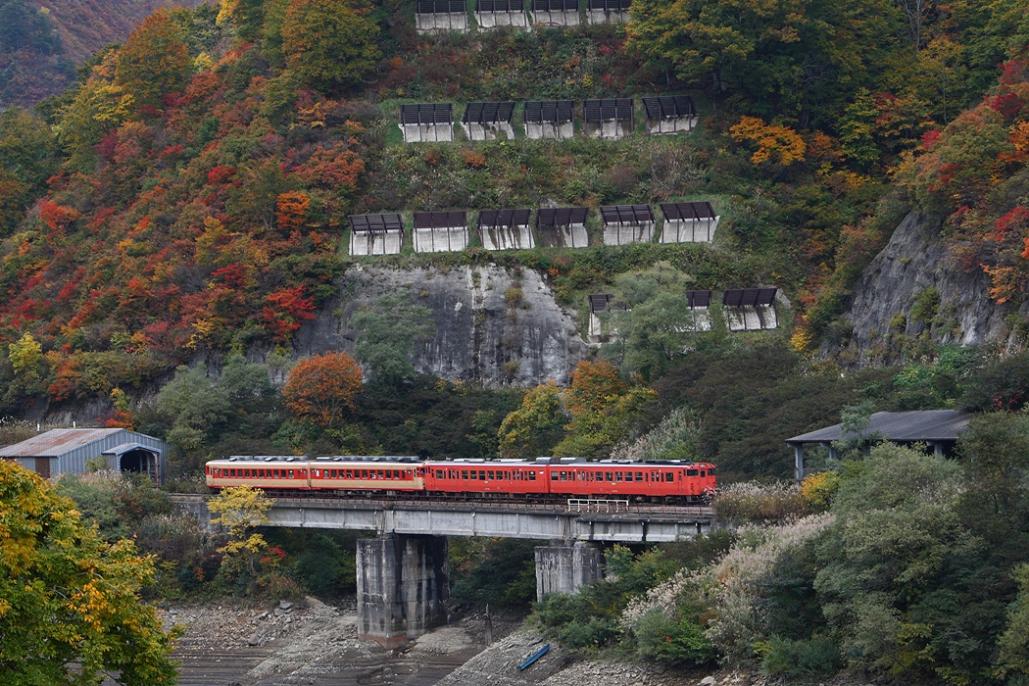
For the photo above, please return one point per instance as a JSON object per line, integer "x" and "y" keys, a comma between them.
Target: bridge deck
{"x": 631, "y": 524}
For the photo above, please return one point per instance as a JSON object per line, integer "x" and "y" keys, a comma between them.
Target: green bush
{"x": 800, "y": 658}
{"x": 676, "y": 641}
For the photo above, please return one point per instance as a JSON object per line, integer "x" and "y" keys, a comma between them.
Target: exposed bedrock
{"x": 492, "y": 325}
{"x": 914, "y": 289}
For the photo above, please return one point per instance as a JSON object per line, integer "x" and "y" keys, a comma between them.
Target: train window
{"x": 290, "y": 473}
{"x": 639, "y": 476}
{"x": 464, "y": 474}
{"x": 554, "y": 476}
{"x": 532, "y": 476}
{"x": 703, "y": 473}
{"x": 691, "y": 472}
{"x": 668, "y": 476}
{"x": 439, "y": 473}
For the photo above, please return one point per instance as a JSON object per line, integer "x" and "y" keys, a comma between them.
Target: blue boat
{"x": 534, "y": 658}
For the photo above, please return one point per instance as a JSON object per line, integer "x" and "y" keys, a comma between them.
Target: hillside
{"x": 42, "y": 42}
{"x": 190, "y": 198}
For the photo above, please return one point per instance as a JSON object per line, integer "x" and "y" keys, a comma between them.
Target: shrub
{"x": 818, "y": 490}
{"x": 799, "y": 658}
{"x": 753, "y": 502}
{"x": 677, "y": 641}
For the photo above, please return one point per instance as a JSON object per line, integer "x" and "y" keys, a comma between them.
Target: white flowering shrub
{"x": 675, "y": 438}
{"x": 742, "y": 578}
{"x": 754, "y": 502}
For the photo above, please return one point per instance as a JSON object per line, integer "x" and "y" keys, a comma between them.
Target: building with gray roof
{"x": 938, "y": 429}
{"x": 66, "y": 451}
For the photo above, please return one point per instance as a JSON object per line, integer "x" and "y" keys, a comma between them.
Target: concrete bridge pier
{"x": 402, "y": 587}
{"x": 567, "y": 567}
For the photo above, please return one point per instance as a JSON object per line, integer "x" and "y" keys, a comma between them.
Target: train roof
{"x": 415, "y": 460}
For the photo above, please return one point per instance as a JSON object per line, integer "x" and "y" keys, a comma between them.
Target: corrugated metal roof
{"x": 56, "y": 442}
{"x": 918, "y": 425}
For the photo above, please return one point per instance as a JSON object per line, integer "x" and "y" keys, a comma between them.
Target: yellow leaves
{"x": 775, "y": 143}
{"x": 226, "y": 9}
{"x": 818, "y": 489}
{"x": 25, "y": 355}
{"x": 801, "y": 340}
{"x": 202, "y": 331}
{"x": 203, "y": 62}
{"x": 239, "y": 509}
{"x": 91, "y": 605}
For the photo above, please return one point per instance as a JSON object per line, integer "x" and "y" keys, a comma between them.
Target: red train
{"x": 542, "y": 478}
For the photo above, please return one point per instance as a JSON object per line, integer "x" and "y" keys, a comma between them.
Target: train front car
{"x": 359, "y": 475}
{"x": 271, "y": 473}
{"x": 673, "y": 481}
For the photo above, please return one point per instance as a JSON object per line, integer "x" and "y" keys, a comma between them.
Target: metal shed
{"x": 66, "y": 451}
{"x": 939, "y": 429}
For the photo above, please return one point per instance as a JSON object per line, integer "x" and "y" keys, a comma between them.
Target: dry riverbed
{"x": 315, "y": 644}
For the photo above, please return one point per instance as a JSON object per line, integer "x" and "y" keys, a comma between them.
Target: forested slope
{"x": 43, "y": 41}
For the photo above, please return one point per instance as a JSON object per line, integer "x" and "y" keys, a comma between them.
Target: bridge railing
{"x": 606, "y": 506}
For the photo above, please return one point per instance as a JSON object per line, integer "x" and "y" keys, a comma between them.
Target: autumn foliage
{"x": 323, "y": 389}
{"x": 774, "y": 143}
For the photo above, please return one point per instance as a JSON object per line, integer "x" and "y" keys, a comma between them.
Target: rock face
{"x": 492, "y": 325}
{"x": 914, "y": 290}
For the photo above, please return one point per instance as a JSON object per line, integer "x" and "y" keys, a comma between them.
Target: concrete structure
{"x": 627, "y": 224}
{"x": 506, "y": 230}
{"x": 607, "y": 11}
{"x": 440, "y": 231}
{"x": 750, "y": 309}
{"x": 67, "y": 451}
{"x": 939, "y": 429}
{"x": 601, "y": 329}
{"x": 491, "y": 14}
{"x": 562, "y": 227}
{"x": 427, "y": 123}
{"x": 546, "y": 13}
{"x": 688, "y": 222}
{"x": 669, "y": 114}
{"x": 699, "y": 303}
{"x": 553, "y": 119}
{"x": 402, "y": 587}
{"x": 488, "y": 121}
{"x": 438, "y": 16}
{"x": 567, "y": 568}
{"x": 402, "y": 573}
{"x": 376, "y": 234}
{"x": 609, "y": 118}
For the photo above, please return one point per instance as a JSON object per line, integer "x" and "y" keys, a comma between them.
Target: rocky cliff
{"x": 492, "y": 325}
{"x": 914, "y": 291}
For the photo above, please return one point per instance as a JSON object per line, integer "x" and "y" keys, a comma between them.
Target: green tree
{"x": 889, "y": 583}
{"x": 70, "y": 608}
{"x": 154, "y": 62}
{"x": 193, "y": 407}
{"x": 798, "y": 58}
{"x": 533, "y": 429}
{"x": 1013, "y": 654}
{"x": 387, "y": 333}
{"x": 330, "y": 44}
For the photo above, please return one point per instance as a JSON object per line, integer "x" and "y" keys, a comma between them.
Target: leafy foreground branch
{"x": 70, "y": 608}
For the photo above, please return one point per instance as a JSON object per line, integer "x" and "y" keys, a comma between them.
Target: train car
{"x": 371, "y": 474}
{"x": 635, "y": 480}
{"x": 511, "y": 477}
{"x": 271, "y": 472}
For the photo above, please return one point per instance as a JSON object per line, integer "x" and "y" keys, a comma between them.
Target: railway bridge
{"x": 402, "y": 572}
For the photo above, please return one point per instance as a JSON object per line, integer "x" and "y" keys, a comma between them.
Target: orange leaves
{"x": 594, "y": 384}
{"x": 57, "y": 217}
{"x": 285, "y": 310}
{"x": 323, "y": 389}
{"x": 334, "y": 167}
{"x": 219, "y": 174}
{"x": 291, "y": 210}
{"x": 473, "y": 158}
{"x": 775, "y": 143}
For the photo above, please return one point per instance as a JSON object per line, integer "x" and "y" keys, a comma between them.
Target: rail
{"x": 605, "y": 506}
